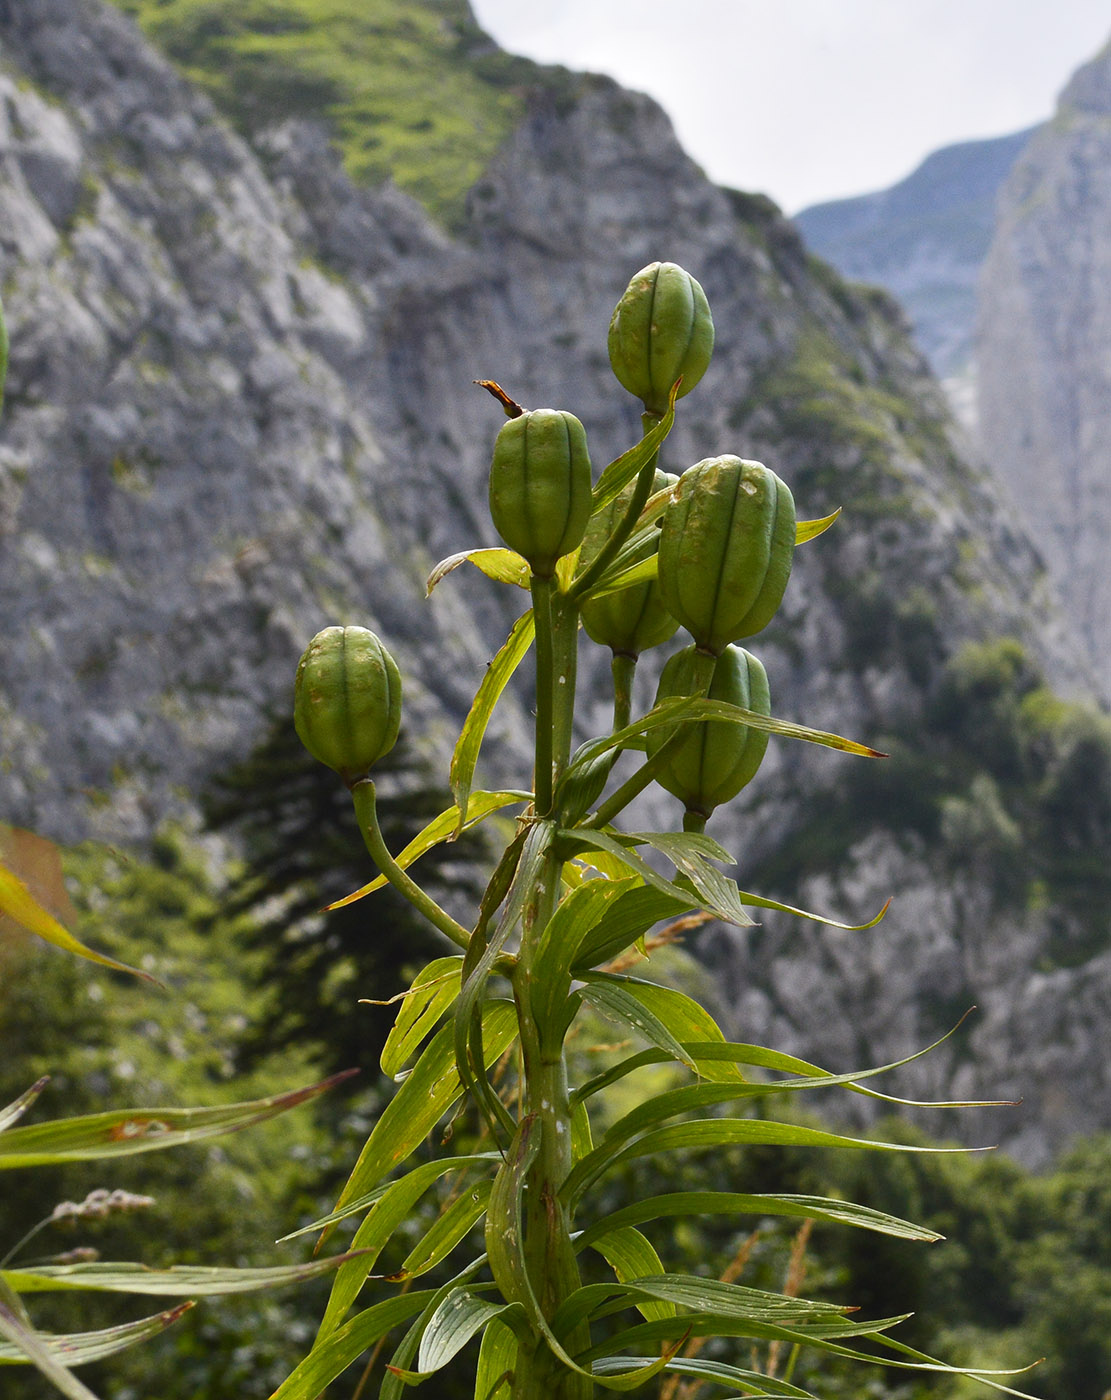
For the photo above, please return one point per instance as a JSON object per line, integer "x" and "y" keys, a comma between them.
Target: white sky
{"x": 808, "y": 100}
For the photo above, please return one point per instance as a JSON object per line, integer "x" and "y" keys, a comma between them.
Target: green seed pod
{"x": 716, "y": 759}
{"x": 661, "y": 329}
{"x": 3, "y": 354}
{"x": 540, "y": 486}
{"x": 347, "y": 700}
{"x": 726, "y": 548}
{"x": 635, "y": 619}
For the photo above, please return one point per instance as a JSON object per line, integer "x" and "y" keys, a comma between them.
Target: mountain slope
{"x": 1044, "y": 331}
{"x": 241, "y": 407}
{"x": 924, "y": 240}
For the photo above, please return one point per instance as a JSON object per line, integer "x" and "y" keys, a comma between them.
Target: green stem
{"x": 694, "y": 821}
{"x": 623, "y": 667}
{"x": 638, "y": 781}
{"x": 548, "y": 1250}
{"x": 363, "y": 795}
{"x": 545, "y": 681}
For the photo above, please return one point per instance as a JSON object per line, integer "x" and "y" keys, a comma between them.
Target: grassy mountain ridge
{"x": 413, "y": 90}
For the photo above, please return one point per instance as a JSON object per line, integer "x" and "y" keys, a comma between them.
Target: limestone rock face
{"x": 1045, "y": 350}
{"x": 924, "y": 240}
{"x": 241, "y": 408}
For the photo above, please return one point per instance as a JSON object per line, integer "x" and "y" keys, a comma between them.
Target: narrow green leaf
{"x": 17, "y": 901}
{"x": 14, "y": 1111}
{"x": 505, "y": 1237}
{"x": 669, "y": 712}
{"x": 759, "y": 902}
{"x": 496, "y": 1359}
{"x": 500, "y": 564}
{"x": 697, "y": 1203}
{"x": 811, "y": 529}
{"x": 497, "y": 677}
{"x": 755, "y": 1384}
{"x": 631, "y": 1256}
{"x": 687, "y": 852}
{"x": 448, "y": 1231}
{"x": 121, "y": 1132}
{"x": 180, "y": 1281}
{"x": 451, "y": 1327}
{"x": 578, "y": 914}
{"x": 614, "y": 1002}
{"x": 466, "y": 1031}
{"x": 625, "y": 468}
{"x": 643, "y": 571}
{"x": 76, "y": 1348}
{"x": 433, "y": 990}
{"x": 585, "y": 838}
{"x": 708, "y": 1054}
{"x": 397, "y": 1368}
{"x": 422, "y": 1100}
{"x": 720, "y": 1132}
{"x": 637, "y": 909}
{"x": 419, "y": 1179}
{"x": 330, "y": 1358}
{"x": 444, "y": 827}
{"x": 687, "y": 1021}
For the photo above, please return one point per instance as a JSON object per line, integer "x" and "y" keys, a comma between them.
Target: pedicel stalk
{"x": 567, "y": 1302}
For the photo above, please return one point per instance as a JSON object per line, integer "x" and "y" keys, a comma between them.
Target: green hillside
{"x": 412, "y": 89}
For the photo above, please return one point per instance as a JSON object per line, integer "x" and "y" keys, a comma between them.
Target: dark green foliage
{"x": 109, "y": 1040}
{"x": 302, "y": 851}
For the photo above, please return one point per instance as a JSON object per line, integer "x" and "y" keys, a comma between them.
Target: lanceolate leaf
{"x": 613, "y": 1001}
{"x": 754, "y": 1384}
{"x": 77, "y": 1348}
{"x": 14, "y": 1111}
{"x": 631, "y": 915}
{"x": 620, "y": 472}
{"x": 670, "y": 711}
{"x": 497, "y": 677}
{"x": 721, "y": 1132}
{"x": 418, "y": 1180}
{"x": 444, "y": 827}
{"x": 397, "y": 1370}
{"x": 434, "y": 989}
{"x": 707, "y": 1054}
{"x": 496, "y": 1359}
{"x": 329, "y": 1359}
{"x": 631, "y": 1256}
{"x": 424, "y": 1097}
{"x": 717, "y": 893}
{"x": 683, "y": 1203}
{"x": 122, "y": 1131}
{"x": 450, "y": 1229}
{"x": 17, "y": 901}
{"x": 811, "y": 529}
{"x": 181, "y": 1281}
{"x": 500, "y": 564}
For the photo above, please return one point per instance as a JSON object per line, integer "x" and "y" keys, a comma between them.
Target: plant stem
{"x": 549, "y": 1253}
{"x": 545, "y": 682}
{"x": 623, "y": 667}
{"x": 363, "y": 795}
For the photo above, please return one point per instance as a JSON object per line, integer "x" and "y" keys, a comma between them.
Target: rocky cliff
{"x": 1045, "y": 349}
{"x": 240, "y": 406}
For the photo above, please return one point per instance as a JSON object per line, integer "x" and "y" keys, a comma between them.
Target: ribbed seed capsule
{"x": 661, "y": 329}
{"x": 347, "y": 700}
{"x": 635, "y": 619}
{"x": 540, "y": 486}
{"x": 716, "y": 759}
{"x": 726, "y": 549}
